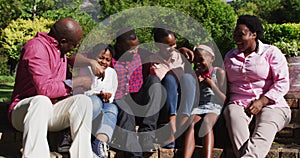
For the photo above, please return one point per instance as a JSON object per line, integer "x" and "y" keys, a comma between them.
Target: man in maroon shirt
{"x": 40, "y": 86}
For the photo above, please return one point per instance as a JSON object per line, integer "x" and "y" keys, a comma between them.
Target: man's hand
{"x": 97, "y": 69}
{"x": 84, "y": 61}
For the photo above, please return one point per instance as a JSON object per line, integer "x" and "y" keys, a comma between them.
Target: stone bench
{"x": 10, "y": 142}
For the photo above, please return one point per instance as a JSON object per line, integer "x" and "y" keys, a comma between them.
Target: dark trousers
{"x": 141, "y": 108}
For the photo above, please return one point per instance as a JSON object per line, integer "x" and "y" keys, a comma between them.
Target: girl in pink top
{"x": 211, "y": 98}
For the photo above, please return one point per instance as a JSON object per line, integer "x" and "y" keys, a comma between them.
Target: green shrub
{"x": 19, "y": 31}
{"x": 285, "y": 36}
{"x": 290, "y": 49}
{"x": 281, "y": 32}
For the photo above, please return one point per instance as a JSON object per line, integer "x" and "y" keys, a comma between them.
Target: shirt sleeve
{"x": 280, "y": 75}
{"x": 114, "y": 80}
{"x": 38, "y": 62}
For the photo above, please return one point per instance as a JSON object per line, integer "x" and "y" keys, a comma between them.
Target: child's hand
{"x": 200, "y": 78}
{"x": 209, "y": 81}
{"x": 104, "y": 96}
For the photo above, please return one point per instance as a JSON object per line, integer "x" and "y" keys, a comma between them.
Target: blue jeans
{"x": 187, "y": 93}
{"x": 104, "y": 117}
{"x": 171, "y": 86}
{"x": 188, "y": 86}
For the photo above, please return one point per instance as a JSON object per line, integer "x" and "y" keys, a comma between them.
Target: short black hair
{"x": 125, "y": 34}
{"x": 160, "y": 33}
{"x": 99, "y": 48}
{"x": 253, "y": 23}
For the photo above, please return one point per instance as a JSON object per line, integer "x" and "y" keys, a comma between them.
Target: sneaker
{"x": 171, "y": 145}
{"x": 65, "y": 144}
{"x": 100, "y": 148}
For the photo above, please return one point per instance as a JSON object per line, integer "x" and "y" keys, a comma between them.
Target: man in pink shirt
{"x": 258, "y": 79}
{"x": 40, "y": 100}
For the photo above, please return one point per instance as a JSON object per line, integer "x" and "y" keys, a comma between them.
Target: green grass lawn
{"x": 6, "y": 88}
{"x": 6, "y": 91}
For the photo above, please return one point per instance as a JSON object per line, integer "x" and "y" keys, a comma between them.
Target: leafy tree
{"x": 285, "y": 36}
{"x": 19, "y": 31}
{"x": 275, "y": 11}
{"x": 287, "y": 12}
{"x": 217, "y": 17}
{"x": 249, "y": 8}
{"x": 73, "y": 11}
{"x": 9, "y": 10}
{"x": 13, "y": 9}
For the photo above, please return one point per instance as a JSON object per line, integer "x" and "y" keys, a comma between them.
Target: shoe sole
{"x": 63, "y": 149}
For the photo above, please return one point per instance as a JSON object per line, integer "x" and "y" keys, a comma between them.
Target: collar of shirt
{"x": 50, "y": 39}
{"x": 259, "y": 51}
{"x": 53, "y": 42}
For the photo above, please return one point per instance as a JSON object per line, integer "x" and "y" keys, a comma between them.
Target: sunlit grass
{"x": 6, "y": 88}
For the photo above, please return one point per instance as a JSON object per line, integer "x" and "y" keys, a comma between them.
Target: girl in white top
{"x": 102, "y": 93}
{"x": 106, "y": 87}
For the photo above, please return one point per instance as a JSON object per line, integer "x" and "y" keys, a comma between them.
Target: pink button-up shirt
{"x": 262, "y": 73}
{"x": 41, "y": 71}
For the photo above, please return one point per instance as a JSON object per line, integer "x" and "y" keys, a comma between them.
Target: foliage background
{"x": 280, "y": 17}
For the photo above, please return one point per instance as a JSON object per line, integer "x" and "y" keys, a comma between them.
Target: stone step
{"x": 289, "y": 135}
{"x": 277, "y": 151}
{"x": 10, "y": 144}
{"x": 289, "y": 138}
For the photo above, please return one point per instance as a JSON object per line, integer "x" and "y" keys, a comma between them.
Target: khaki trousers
{"x": 268, "y": 122}
{"x": 36, "y": 115}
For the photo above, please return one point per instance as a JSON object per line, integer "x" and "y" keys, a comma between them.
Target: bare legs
{"x": 172, "y": 119}
{"x": 189, "y": 143}
{"x": 205, "y": 130}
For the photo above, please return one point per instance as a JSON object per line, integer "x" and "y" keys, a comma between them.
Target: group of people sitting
{"x": 121, "y": 93}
